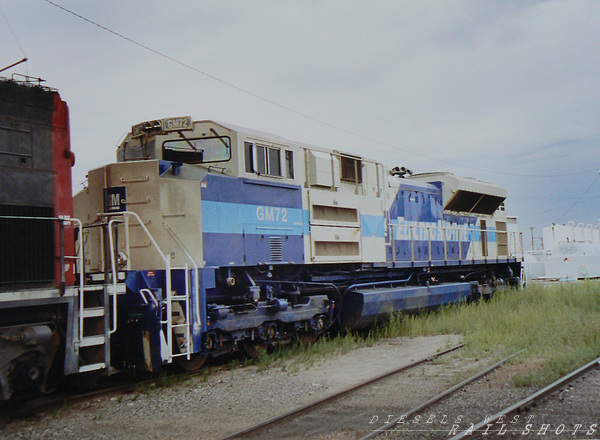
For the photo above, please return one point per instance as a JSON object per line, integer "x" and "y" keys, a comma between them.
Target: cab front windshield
{"x": 203, "y": 150}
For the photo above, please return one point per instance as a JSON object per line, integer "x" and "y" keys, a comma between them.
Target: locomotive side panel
{"x": 345, "y": 206}
{"x": 27, "y": 187}
{"x": 249, "y": 222}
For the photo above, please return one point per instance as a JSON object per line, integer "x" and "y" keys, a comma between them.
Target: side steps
{"x": 94, "y": 326}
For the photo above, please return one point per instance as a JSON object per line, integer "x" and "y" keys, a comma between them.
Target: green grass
{"x": 302, "y": 356}
{"x": 559, "y": 325}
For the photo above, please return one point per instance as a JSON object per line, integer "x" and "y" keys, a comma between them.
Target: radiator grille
{"x": 275, "y": 249}
{"x": 26, "y": 246}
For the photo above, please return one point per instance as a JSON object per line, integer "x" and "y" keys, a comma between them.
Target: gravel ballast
{"x": 228, "y": 401}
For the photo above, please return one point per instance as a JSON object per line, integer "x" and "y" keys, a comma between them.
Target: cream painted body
{"x": 340, "y": 192}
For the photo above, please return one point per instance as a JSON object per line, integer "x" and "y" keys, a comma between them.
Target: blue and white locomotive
{"x": 228, "y": 238}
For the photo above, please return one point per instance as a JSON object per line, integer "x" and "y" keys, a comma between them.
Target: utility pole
{"x": 532, "y": 245}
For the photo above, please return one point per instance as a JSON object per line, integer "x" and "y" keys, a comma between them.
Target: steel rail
{"x": 389, "y": 425}
{"x": 54, "y": 400}
{"x": 337, "y": 395}
{"x": 476, "y": 430}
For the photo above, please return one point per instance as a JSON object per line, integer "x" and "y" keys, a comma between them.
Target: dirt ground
{"x": 228, "y": 401}
{"x": 225, "y": 402}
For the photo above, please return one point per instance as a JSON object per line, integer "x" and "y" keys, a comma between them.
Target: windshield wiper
{"x": 187, "y": 140}
{"x": 218, "y": 137}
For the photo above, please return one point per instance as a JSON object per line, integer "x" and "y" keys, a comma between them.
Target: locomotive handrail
{"x": 79, "y": 256}
{"x": 451, "y": 233}
{"x": 377, "y": 283}
{"x": 198, "y": 312}
{"x": 124, "y": 214}
{"x": 166, "y": 260}
{"x": 152, "y": 297}
{"x": 113, "y": 264}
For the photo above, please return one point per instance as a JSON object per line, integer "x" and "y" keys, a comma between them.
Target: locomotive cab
{"x": 198, "y": 245}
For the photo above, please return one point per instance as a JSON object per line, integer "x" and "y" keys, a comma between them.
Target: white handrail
{"x": 143, "y": 293}
{"x": 450, "y": 233}
{"x": 196, "y": 271}
{"x": 166, "y": 260}
{"x": 113, "y": 264}
{"x": 141, "y": 223}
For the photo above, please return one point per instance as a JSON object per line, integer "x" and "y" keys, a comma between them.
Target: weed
{"x": 558, "y": 325}
{"x": 145, "y": 389}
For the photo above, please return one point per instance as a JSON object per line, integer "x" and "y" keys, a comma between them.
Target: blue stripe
{"x": 232, "y": 218}
{"x": 372, "y": 226}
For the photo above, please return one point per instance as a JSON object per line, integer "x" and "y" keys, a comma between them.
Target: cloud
{"x": 484, "y": 89}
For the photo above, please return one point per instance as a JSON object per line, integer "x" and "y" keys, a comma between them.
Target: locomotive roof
{"x": 252, "y": 132}
{"x": 280, "y": 139}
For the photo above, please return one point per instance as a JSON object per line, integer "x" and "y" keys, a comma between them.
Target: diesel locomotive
{"x": 39, "y": 285}
{"x": 205, "y": 238}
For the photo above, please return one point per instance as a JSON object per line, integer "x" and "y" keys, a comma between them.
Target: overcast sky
{"x": 503, "y": 91}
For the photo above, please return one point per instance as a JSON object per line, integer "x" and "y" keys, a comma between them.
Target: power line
{"x": 548, "y": 198}
{"x": 13, "y": 34}
{"x": 567, "y": 211}
{"x": 291, "y": 110}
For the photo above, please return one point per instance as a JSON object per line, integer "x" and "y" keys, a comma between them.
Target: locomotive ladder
{"x": 178, "y": 316}
{"x": 184, "y": 303}
{"x": 176, "y": 321}
{"x": 95, "y": 327}
{"x": 96, "y": 307}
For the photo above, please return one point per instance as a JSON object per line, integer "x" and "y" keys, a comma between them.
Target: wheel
{"x": 253, "y": 348}
{"x": 195, "y": 362}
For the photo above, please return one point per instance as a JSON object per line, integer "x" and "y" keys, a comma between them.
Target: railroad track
{"x": 273, "y": 427}
{"x": 568, "y": 408}
{"x": 59, "y": 400}
{"x": 391, "y": 424}
{"x": 547, "y": 421}
{"x": 55, "y": 401}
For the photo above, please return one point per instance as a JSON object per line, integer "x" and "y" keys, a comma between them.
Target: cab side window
{"x": 249, "y": 156}
{"x": 289, "y": 164}
{"x": 351, "y": 169}
{"x": 267, "y": 160}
